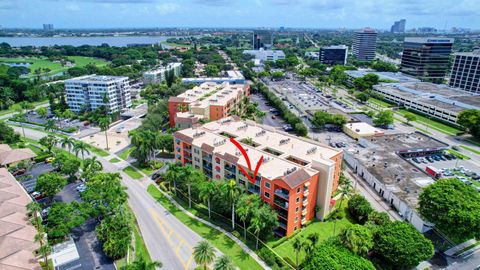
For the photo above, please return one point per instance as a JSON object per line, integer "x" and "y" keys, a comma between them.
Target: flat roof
{"x": 379, "y": 156}
{"x": 210, "y": 93}
{"x": 162, "y": 69}
{"x": 442, "y": 96}
{"x": 96, "y": 78}
{"x": 17, "y": 234}
{"x": 392, "y": 76}
{"x": 265, "y": 138}
{"x": 362, "y": 128}
{"x": 439, "y": 40}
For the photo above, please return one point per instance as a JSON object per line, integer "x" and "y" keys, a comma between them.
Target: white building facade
{"x": 90, "y": 92}
{"x": 266, "y": 55}
{"x": 159, "y": 75}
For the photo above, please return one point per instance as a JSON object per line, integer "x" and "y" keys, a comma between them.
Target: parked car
{"x": 429, "y": 159}
{"x": 273, "y": 116}
{"x": 45, "y": 211}
{"x": 49, "y": 160}
{"x": 19, "y": 171}
{"x": 287, "y": 127}
{"x": 416, "y": 160}
{"x": 36, "y": 195}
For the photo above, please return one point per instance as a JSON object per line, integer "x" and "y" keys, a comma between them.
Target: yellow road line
{"x": 163, "y": 227}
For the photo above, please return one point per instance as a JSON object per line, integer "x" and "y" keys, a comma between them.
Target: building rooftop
{"x": 9, "y": 155}
{"x": 233, "y": 76}
{"x": 16, "y": 232}
{"x": 211, "y": 93}
{"x": 390, "y": 76}
{"x": 277, "y": 148}
{"x": 429, "y": 40}
{"x": 475, "y": 53}
{"x": 441, "y": 96}
{"x": 96, "y": 79}
{"x": 379, "y": 155}
{"x": 335, "y": 47}
{"x": 163, "y": 69}
{"x": 263, "y": 52}
{"x": 363, "y": 129}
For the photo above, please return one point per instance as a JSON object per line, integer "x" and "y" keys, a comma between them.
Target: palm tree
{"x": 256, "y": 226}
{"x": 33, "y": 210}
{"x": 91, "y": 166}
{"x": 231, "y": 191}
{"x": 311, "y": 243}
{"x": 345, "y": 188}
{"x": 50, "y": 125}
{"x": 224, "y": 263}
{"x": 141, "y": 264}
{"x": 298, "y": 244}
{"x": 45, "y": 248}
{"x": 80, "y": 147}
{"x": 203, "y": 253}
{"x": 104, "y": 124}
{"x": 172, "y": 174}
{"x": 67, "y": 143}
{"x": 208, "y": 189}
{"x": 247, "y": 204}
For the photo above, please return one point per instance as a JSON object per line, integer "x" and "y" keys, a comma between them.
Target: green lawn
{"x": 324, "y": 229}
{"x": 125, "y": 154}
{"x": 458, "y": 154}
{"x": 97, "y": 151}
{"x": 114, "y": 160}
{"x": 36, "y": 103}
{"x": 148, "y": 169}
{"x": 470, "y": 149}
{"x": 80, "y": 61}
{"x": 430, "y": 122}
{"x": 379, "y": 102}
{"x": 222, "y": 242}
{"x": 132, "y": 172}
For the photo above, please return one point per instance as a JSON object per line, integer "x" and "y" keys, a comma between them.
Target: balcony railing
{"x": 254, "y": 190}
{"x": 304, "y": 211}
{"x": 207, "y": 158}
{"x": 305, "y": 202}
{"x": 282, "y": 215}
{"x": 305, "y": 192}
{"x": 230, "y": 168}
{"x": 281, "y": 203}
{"x": 282, "y": 194}
{"x": 282, "y": 225}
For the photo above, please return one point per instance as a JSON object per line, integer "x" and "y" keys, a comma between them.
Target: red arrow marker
{"x": 247, "y": 159}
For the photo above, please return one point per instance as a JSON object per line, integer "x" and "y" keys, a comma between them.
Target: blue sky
{"x": 239, "y": 13}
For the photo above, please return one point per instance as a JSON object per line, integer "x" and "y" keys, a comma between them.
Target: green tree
{"x": 231, "y": 192}
{"x": 223, "y": 263}
{"x": 63, "y": 217}
{"x": 8, "y": 135}
{"x": 50, "y": 125}
{"x": 453, "y": 207}
{"x": 104, "y": 124}
{"x": 357, "y": 238}
{"x": 383, "y": 118}
{"x": 67, "y": 143}
{"x": 203, "y": 253}
{"x": 264, "y": 219}
{"x": 105, "y": 193}
{"x": 141, "y": 264}
{"x": 50, "y": 184}
{"x": 48, "y": 142}
{"x": 211, "y": 70}
{"x": 470, "y": 121}
{"x": 410, "y": 117}
{"x": 400, "y": 245}
{"x": 208, "y": 189}
{"x": 247, "y": 204}
{"x": 359, "y": 208}
{"x": 362, "y": 96}
{"x": 90, "y": 167}
{"x": 298, "y": 244}
{"x": 330, "y": 255}
{"x": 42, "y": 112}
{"x": 80, "y": 148}
{"x": 115, "y": 233}
{"x": 70, "y": 167}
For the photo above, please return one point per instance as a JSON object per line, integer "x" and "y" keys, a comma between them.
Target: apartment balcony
{"x": 207, "y": 167}
{"x": 282, "y": 225}
{"x": 207, "y": 158}
{"x": 230, "y": 176}
{"x": 304, "y": 211}
{"x": 281, "y": 203}
{"x": 282, "y": 194}
{"x": 188, "y": 149}
{"x": 280, "y": 232}
{"x": 306, "y": 192}
{"x": 254, "y": 189}
{"x": 303, "y": 221}
{"x": 230, "y": 168}
{"x": 305, "y": 202}
{"x": 281, "y": 214}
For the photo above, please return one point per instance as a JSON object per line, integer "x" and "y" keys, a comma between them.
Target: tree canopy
{"x": 50, "y": 184}
{"x": 453, "y": 207}
{"x": 383, "y": 118}
{"x": 400, "y": 245}
{"x": 333, "y": 256}
{"x": 470, "y": 120}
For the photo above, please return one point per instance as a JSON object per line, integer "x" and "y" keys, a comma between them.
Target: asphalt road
{"x": 268, "y": 120}
{"x": 167, "y": 239}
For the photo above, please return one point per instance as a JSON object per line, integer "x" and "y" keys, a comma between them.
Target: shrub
{"x": 267, "y": 256}
{"x": 236, "y": 234}
{"x": 359, "y": 208}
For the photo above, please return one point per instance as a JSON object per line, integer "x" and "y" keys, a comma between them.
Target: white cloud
{"x": 167, "y": 8}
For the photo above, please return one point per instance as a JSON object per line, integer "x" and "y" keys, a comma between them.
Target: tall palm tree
{"x": 45, "y": 248}
{"x": 50, "y": 125}
{"x": 203, "y": 253}
{"x": 298, "y": 244}
{"x": 172, "y": 174}
{"x": 311, "y": 243}
{"x": 246, "y": 206}
{"x": 104, "y": 124}
{"x": 67, "y": 143}
{"x": 208, "y": 189}
{"x": 231, "y": 192}
{"x": 224, "y": 263}
{"x": 256, "y": 226}
{"x": 345, "y": 188}
{"x": 33, "y": 210}
{"x": 91, "y": 166}
{"x": 80, "y": 147}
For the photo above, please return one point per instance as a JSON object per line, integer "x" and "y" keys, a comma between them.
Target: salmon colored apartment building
{"x": 209, "y": 101}
{"x": 297, "y": 176}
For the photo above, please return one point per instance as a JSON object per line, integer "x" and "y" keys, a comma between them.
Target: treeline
{"x": 296, "y": 123}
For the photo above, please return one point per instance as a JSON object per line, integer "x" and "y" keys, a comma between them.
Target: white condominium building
{"x": 90, "y": 92}
{"x": 159, "y": 75}
{"x": 266, "y": 55}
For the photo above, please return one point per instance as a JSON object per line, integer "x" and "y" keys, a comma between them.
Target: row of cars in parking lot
{"x": 433, "y": 158}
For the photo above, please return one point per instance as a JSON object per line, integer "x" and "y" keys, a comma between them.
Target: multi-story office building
{"x": 365, "y": 44}
{"x": 466, "y": 71}
{"x": 398, "y": 26}
{"x": 159, "y": 75}
{"x": 334, "y": 55}
{"x": 209, "y": 101}
{"x": 232, "y": 77}
{"x": 434, "y": 100}
{"x": 426, "y": 58}
{"x": 90, "y": 92}
{"x": 266, "y": 55}
{"x": 262, "y": 39}
{"x": 47, "y": 27}
{"x": 297, "y": 176}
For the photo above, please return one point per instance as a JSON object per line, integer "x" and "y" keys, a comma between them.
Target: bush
{"x": 267, "y": 256}
{"x": 359, "y": 208}
{"x": 236, "y": 234}
{"x": 41, "y": 158}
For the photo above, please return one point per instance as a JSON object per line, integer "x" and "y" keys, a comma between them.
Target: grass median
{"x": 132, "y": 172}
{"x": 222, "y": 242}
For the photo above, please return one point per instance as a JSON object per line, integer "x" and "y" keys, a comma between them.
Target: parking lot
{"x": 29, "y": 179}
{"x": 33, "y": 117}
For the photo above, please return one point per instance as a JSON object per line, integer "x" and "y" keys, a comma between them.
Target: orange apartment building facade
{"x": 209, "y": 101}
{"x": 296, "y": 176}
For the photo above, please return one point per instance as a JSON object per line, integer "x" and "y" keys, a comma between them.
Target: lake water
{"x": 79, "y": 41}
